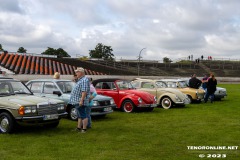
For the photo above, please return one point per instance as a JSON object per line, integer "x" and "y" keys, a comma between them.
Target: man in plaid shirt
{"x": 80, "y": 99}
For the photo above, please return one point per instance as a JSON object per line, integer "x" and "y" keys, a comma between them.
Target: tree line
{"x": 100, "y": 51}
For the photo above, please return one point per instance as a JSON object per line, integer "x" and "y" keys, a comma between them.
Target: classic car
{"x": 166, "y": 97}
{"x": 218, "y": 94}
{"x": 192, "y": 93}
{"x": 126, "y": 97}
{"x": 61, "y": 89}
{"x": 18, "y": 106}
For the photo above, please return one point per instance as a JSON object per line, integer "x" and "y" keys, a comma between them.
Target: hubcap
{"x": 128, "y": 107}
{"x": 73, "y": 113}
{"x": 4, "y": 124}
{"x": 166, "y": 103}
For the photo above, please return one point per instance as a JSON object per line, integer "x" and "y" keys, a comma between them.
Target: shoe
{"x": 77, "y": 129}
{"x": 83, "y": 131}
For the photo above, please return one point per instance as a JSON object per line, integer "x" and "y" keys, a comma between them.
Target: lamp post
{"x": 139, "y": 57}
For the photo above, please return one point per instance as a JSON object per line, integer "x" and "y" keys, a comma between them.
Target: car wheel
{"x": 72, "y": 114}
{"x": 128, "y": 106}
{"x": 166, "y": 102}
{"x": 190, "y": 99}
{"x": 6, "y": 123}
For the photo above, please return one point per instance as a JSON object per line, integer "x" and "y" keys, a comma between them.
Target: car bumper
{"x": 147, "y": 105}
{"x": 43, "y": 117}
{"x": 220, "y": 95}
{"x": 99, "y": 111}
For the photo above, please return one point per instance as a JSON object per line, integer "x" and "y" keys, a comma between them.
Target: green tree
{"x": 57, "y": 52}
{"x": 1, "y": 49}
{"x": 167, "y": 60}
{"x": 102, "y": 51}
{"x": 22, "y": 50}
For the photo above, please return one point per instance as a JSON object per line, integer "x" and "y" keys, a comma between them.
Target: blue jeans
{"x": 88, "y": 111}
{"x": 207, "y": 96}
{"x": 81, "y": 111}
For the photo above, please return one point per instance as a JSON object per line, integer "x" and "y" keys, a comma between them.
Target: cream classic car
{"x": 192, "y": 93}
{"x": 166, "y": 97}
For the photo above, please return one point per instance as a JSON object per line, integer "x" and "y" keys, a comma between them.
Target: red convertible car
{"x": 126, "y": 97}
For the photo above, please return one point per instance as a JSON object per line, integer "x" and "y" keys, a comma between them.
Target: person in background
{"x": 56, "y": 75}
{"x": 79, "y": 98}
{"x": 93, "y": 94}
{"x": 204, "y": 82}
{"x": 211, "y": 88}
{"x": 194, "y": 82}
{"x": 75, "y": 78}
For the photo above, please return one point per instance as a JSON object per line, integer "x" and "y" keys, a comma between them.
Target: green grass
{"x": 161, "y": 134}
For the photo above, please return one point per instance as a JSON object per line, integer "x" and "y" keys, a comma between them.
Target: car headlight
{"x": 112, "y": 101}
{"x": 61, "y": 107}
{"x": 27, "y": 110}
{"x": 140, "y": 100}
{"x": 95, "y": 103}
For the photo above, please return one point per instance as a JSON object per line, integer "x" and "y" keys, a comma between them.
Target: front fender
{"x": 133, "y": 98}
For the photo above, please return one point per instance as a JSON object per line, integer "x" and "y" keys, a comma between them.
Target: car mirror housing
{"x": 57, "y": 93}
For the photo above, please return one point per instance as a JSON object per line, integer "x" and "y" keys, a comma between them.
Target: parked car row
{"x": 45, "y": 101}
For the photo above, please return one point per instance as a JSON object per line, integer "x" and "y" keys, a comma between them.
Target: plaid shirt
{"x": 82, "y": 85}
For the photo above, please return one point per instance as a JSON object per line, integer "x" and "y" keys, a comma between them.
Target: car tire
{"x": 7, "y": 123}
{"x": 190, "y": 99}
{"x": 166, "y": 103}
{"x": 72, "y": 113}
{"x": 128, "y": 106}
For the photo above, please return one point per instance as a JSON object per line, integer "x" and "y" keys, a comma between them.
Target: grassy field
{"x": 161, "y": 134}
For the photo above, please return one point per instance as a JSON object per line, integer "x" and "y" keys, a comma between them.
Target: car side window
{"x": 4, "y": 88}
{"x": 147, "y": 85}
{"x": 49, "y": 87}
{"x": 35, "y": 87}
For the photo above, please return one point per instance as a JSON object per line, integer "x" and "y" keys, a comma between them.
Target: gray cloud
{"x": 171, "y": 28}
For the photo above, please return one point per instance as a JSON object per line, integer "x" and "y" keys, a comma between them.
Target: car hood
{"x": 145, "y": 96}
{"x": 193, "y": 90}
{"x": 220, "y": 88}
{"x": 26, "y": 100}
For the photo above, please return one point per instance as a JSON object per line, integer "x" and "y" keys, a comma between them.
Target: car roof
{"x": 106, "y": 80}
{"x": 52, "y": 80}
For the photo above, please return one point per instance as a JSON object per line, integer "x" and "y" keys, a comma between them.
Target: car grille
{"x": 104, "y": 103}
{"x": 47, "y": 108}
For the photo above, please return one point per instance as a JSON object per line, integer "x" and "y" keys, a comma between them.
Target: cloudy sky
{"x": 165, "y": 28}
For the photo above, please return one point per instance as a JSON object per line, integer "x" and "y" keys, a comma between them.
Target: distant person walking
{"x": 211, "y": 88}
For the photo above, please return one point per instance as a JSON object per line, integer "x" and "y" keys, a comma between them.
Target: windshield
{"x": 124, "y": 85}
{"x": 182, "y": 84}
{"x": 13, "y": 87}
{"x": 66, "y": 86}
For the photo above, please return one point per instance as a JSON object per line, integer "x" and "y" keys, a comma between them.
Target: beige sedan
{"x": 192, "y": 93}
{"x": 166, "y": 97}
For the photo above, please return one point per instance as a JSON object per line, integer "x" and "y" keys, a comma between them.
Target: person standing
{"x": 211, "y": 88}
{"x": 79, "y": 98}
{"x": 93, "y": 94}
{"x": 204, "y": 82}
{"x": 194, "y": 82}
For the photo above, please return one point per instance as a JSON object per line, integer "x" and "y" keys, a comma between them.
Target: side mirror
{"x": 57, "y": 93}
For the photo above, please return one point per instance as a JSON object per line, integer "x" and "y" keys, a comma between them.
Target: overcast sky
{"x": 166, "y": 28}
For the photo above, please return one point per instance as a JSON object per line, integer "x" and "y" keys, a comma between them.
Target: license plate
{"x": 107, "y": 109}
{"x": 50, "y": 117}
